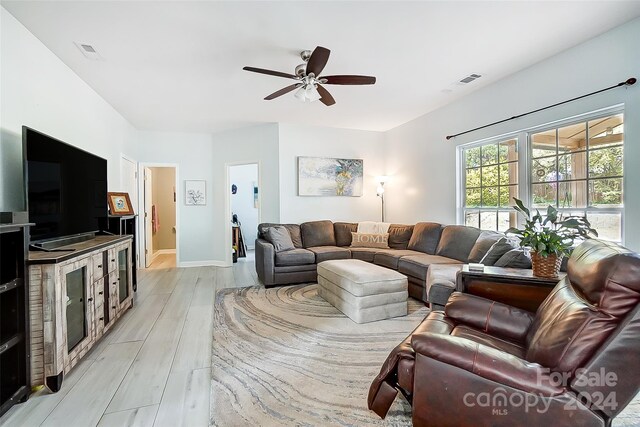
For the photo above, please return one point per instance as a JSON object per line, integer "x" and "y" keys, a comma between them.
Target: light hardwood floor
{"x": 153, "y": 367}
{"x": 163, "y": 261}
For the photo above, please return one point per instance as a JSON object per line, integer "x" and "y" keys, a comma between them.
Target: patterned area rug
{"x": 286, "y": 357}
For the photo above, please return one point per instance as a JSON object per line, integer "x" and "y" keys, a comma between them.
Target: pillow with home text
{"x": 366, "y": 240}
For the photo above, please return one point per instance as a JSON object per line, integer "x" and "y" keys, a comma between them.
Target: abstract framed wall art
{"x": 326, "y": 176}
{"x": 195, "y": 192}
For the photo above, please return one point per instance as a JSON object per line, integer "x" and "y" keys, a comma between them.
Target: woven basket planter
{"x": 547, "y": 267}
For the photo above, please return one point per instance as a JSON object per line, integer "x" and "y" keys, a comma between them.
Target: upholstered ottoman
{"x": 365, "y": 292}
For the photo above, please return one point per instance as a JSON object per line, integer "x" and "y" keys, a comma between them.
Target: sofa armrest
{"x": 486, "y": 362}
{"x": 265, "y": 262}
{"x": 440, "y": 284}
{"x": 489, "y": 316}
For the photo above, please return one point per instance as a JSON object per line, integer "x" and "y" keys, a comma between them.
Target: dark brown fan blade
{"x": 318, "y": 60}
{"x": 270, "y": 72}
{"x": 326, "y": 97}
{"x": 349, "y": 80}
{"x": 283, "y": 91}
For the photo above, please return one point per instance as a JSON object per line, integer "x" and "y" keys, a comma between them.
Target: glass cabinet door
{"x": 123, "y": 276}
{"x": 76, "y": 307}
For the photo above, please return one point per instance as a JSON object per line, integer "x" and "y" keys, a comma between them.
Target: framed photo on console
{"x": 120, "y": 204}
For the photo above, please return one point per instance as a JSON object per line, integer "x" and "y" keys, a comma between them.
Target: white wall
{"x": 191, "y": 154}
{"x": 40, "y": 91}
{"x": 422, "y": 162}
{"x": 242, "y": 203}
{"x": 256, "y": 144}
{"x": 204, "y": 232}
{"x": 299, "y": 140}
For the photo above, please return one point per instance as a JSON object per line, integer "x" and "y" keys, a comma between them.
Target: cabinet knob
{"x": 100, "y": 293}
{"x": 100, "y": 266}
{"x": 113, "y": 260}
{"x": 113, "y": 306}
{"x": 102, "y": 318}
{"x": 89, "y": 299}
{"x": 113, "y": 283}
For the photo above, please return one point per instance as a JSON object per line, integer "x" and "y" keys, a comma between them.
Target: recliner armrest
{"x": 487, "y": 362}
{"x": 489, "y": 316}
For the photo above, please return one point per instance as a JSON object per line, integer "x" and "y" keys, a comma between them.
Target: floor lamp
{"x": 380, "y": 191}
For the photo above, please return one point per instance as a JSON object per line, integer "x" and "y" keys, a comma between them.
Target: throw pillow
{"x": 280, "y": 238}
{"x": 486, "y": 239}
{"x": 497, "y": 250}
{"x": 365, "y": 240}
{"x": 399, "y": 236}
{"x": 425, "y": 237}
{"x": 515, "y": 258}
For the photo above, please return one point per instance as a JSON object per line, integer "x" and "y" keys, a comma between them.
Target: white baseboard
{"x": 210, "y": 263}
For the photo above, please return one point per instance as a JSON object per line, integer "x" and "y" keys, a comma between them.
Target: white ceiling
{"x": 178, "y": 65}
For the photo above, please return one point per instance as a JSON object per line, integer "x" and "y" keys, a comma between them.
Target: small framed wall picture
{"x": 119, "y": 204}
{"x": 195, "y": 192}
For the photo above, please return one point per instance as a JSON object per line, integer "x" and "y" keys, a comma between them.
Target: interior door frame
{"x": 124, "y": 157}
{"x": 147, "y": 202}
{"x": 143, "y": 236}
{"x": 228, "y": 258}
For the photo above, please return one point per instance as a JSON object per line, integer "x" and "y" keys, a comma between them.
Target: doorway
{"x": 245, "y": 209}
{"x": 160, "y": 216}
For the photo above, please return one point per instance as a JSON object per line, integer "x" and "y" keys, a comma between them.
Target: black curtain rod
{"x": 628, "y": 82}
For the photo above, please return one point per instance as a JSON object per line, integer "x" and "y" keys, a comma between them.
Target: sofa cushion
{"x": 417, "y": 265}
{"x": 363, "y": 254}
{"x": 485, "y": 241}
{"x": 425, "y": 237}
{"x": 280, "y": 238}
{"x": 399, "y": 236}
{"x": 456, "y": 241}
{"x": 295, "y": 257}
{"x": 293, "y": 229}
{"x": 326, "y": 253}
{"x": 343, "y": 230}
{"x": 515, "y": 258}
{"x": 499, "y": 248}
{"x": 366, "y": 240}
{"x": 389, "y": 257}
{"x": 317, "y": 233}
{"x": 294, "y": 268}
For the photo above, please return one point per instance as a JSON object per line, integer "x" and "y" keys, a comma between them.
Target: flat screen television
{"x": 66, "y": 187}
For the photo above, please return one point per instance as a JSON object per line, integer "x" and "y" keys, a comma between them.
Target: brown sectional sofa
{"x": 414, "y": 250}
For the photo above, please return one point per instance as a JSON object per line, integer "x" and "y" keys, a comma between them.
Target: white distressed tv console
{"x": 76, "y": 294}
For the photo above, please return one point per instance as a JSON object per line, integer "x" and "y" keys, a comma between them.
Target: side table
{"x": 513, "y": 286}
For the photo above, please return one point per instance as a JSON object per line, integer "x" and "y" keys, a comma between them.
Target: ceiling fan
{"x": 309, "y": 81}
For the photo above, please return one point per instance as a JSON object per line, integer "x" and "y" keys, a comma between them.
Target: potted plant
{"x": 549, "y": 238}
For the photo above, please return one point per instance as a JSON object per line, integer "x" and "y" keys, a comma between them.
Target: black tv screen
{"x": 66, "y": 187}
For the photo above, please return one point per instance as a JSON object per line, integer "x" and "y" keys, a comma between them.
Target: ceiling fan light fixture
{"x": 308, "y": 93}
{"x": 312, "y": 93}
{"x": 301, "y": 94}
{"x": 310, "y": 83}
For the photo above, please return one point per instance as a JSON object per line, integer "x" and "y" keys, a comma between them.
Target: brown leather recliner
{"x": 574, "y": 362}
